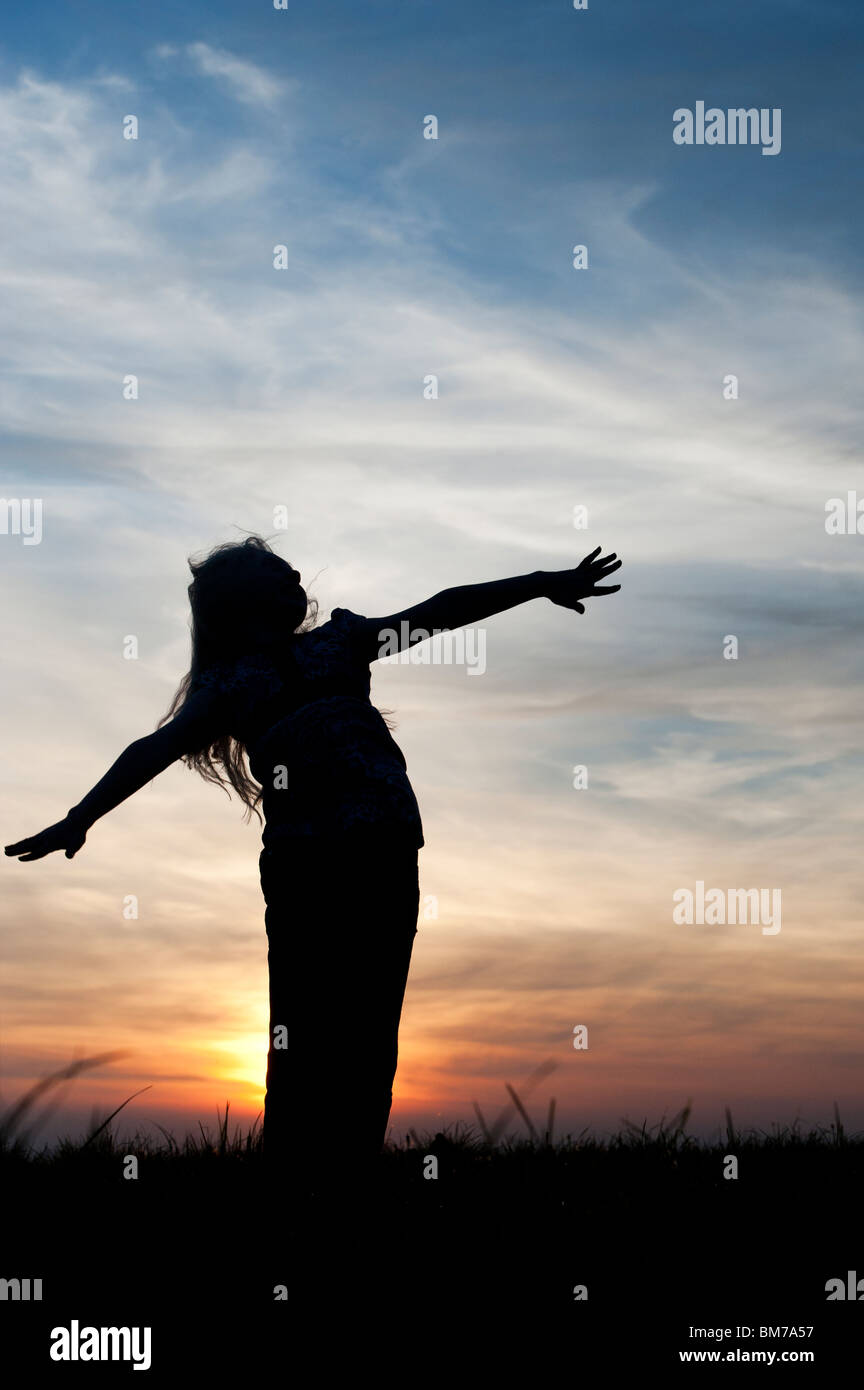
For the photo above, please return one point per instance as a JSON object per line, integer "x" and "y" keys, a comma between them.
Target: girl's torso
{"x": 325, "y": 759}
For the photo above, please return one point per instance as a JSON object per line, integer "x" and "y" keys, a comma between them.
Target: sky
{"x": 544, "y": 906}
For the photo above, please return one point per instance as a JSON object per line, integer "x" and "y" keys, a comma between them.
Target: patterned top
{"x": 324, "y": 757}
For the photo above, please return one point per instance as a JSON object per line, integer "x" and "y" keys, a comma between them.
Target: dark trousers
{"x": 341, "y": 919}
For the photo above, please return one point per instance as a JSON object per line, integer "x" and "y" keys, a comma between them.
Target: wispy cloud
{"x": 246, "y": 80}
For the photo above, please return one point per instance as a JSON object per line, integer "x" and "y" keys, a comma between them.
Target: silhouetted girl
{"x": 342, "y": 828}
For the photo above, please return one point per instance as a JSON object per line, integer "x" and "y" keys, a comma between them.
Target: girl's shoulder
{"x": 344, "y": 623}
{"x": 336, "y": 647}
{"x": 336, "y": 633}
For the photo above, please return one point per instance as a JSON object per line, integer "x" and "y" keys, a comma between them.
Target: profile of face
{"x": 283, "y": 597}
{"x": 244, "y": 597}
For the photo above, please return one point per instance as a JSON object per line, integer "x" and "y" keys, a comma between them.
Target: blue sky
{"x": 549, "y": 94}
{"x": 303, "y": 388}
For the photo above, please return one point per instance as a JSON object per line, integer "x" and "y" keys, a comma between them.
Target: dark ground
{"x": 468, "y": 1274}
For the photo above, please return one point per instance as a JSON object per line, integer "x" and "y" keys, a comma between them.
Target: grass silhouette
{"x": 464, "y": 1149}
{"x": 515, "y": 1219}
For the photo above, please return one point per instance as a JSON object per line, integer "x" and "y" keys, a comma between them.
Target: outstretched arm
{"x": 471, "y": 603}
{"x": 138, "y": 764}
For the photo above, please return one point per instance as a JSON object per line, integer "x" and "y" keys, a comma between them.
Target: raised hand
{"x": 567, "y": 587}
{"x": 68, "y": 834}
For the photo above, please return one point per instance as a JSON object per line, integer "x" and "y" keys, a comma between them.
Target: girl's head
{"x": 244, "y": 600}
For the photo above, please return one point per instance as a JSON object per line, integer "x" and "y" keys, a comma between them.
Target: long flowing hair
{"x": 233, "y": 581}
